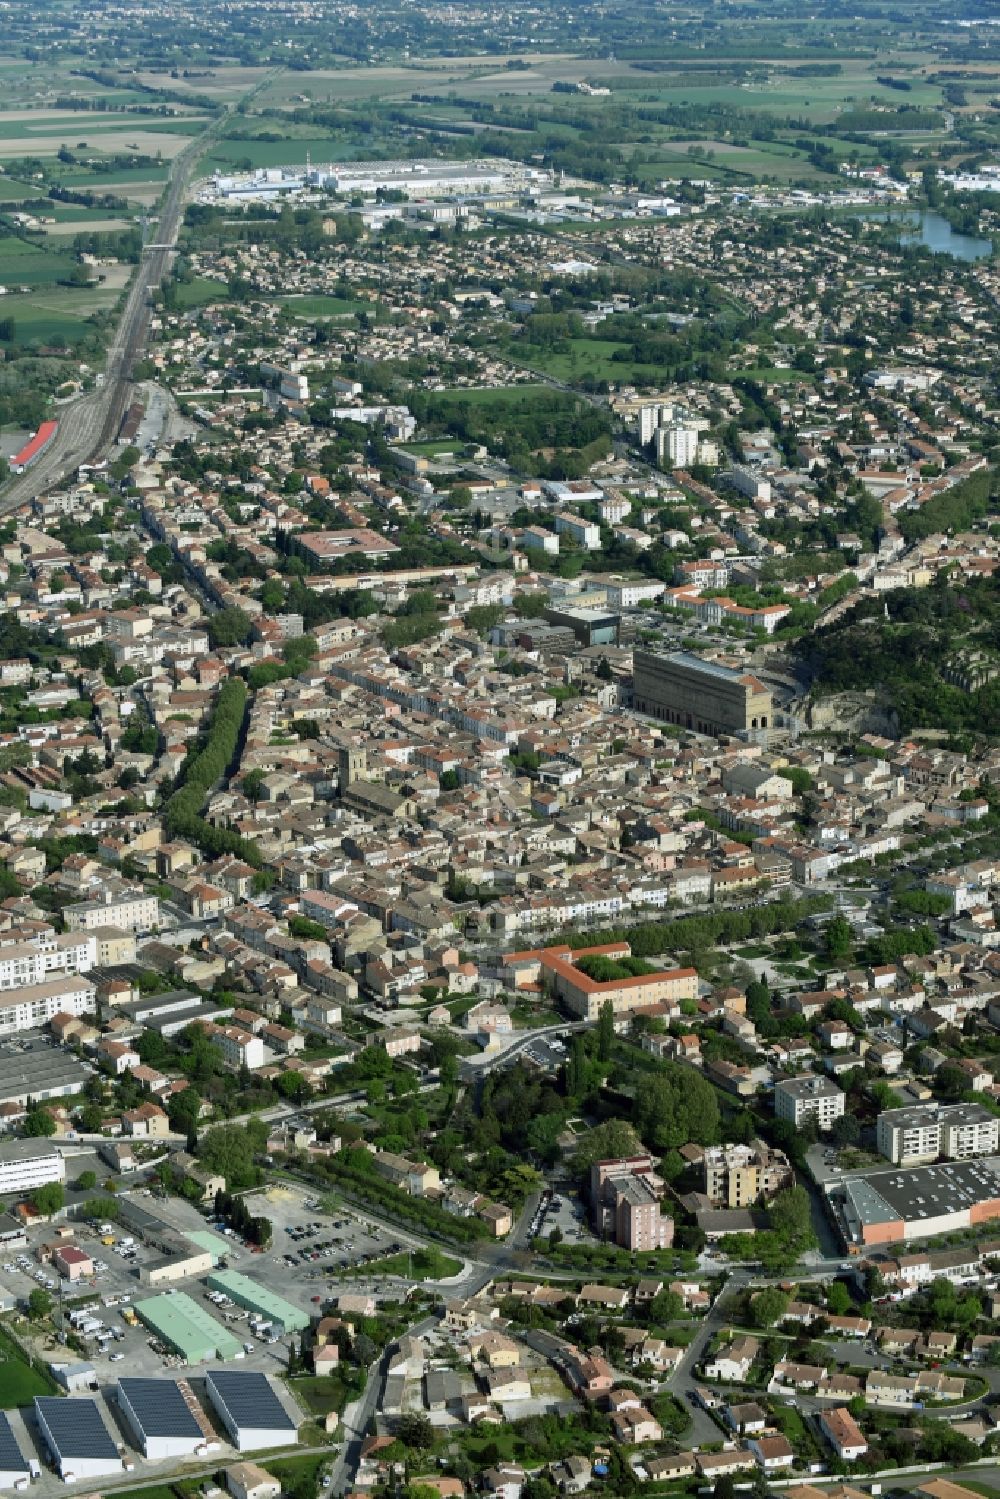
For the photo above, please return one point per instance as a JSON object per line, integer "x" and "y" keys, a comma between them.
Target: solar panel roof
{"x": 250, "y": 1400}
{"x": 11, "y": 1459}
{"x": 76, "y": 1427}
{"x": 159, "y": 1408}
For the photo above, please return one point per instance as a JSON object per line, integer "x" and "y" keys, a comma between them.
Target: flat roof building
{"x": 187, "y": 1328}
{"x": 886, "y": 1207}
{"x": 918, "y": 1135}
{"x": 77, "y": 1439}
{"x": 704, "y": 696}
{"x": 249, "y": 1410}
{"x": 811, "y": 1097}
{"x": 161, "y": 1417}
{"x": 255, "y": 1297}
{"x": 26, "y": 1165}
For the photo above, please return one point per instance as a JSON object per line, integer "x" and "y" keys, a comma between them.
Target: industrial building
{"x": 77, "y": 1439}
{"x": 26, "y": 1165}
{"x": 180, "y": 1263}
{"x": 892, "y": 1206}
{"x": 39, "y": 1071}
{"x": 254, "y": 1297}
{"x": 419, "y": 179}
{"x": 249, "y": 1410}
{"x": 186, "y": 1327}
{"x": 14, "y": 1471}
{"x": 161, "y": 1416}
{"x": 703, "y": 696}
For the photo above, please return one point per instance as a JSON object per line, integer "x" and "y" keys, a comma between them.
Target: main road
{"x": 89, "y": 426}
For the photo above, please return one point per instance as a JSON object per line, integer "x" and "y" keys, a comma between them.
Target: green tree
{"x": 49, "y": 1198}
{"x": 415, "y": 1430}
{"x": 611, "y": 1140}
{"x": 39, "y": 1304}
{"x": 86, "y": 1181}
{"x": 606, "y": 1031}
{"x": 229, "y": 627}
{"x": 38, "y": 1122}
{"x": 768, "y": 1307}
{"x": 837, "y": 940}
{"x": 674, "y": 1106}
{"x": 838, "y": 1299}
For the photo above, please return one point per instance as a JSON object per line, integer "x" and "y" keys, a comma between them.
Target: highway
{"x": 89, "y": 426}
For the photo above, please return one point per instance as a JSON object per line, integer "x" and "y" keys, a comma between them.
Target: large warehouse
{"x": 163, "y": 1421}
{"x": 187, "y": 1328}
{"x": 79, "y": 1442}
{"x": 249, "y": 1409}
{"x": 13, "y": 1465}
{"x": 889, "y": 1207}
{"x": 254, "y": 1297}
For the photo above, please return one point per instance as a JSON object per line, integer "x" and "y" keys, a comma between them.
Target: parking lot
{"x": 310, "y": 1247}
{"x": 563, "y": 1210}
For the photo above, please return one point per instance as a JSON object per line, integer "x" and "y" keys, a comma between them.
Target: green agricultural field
{"x": 24, "y": 264}
{"x": 13, "y": 191}
{"x": 231, "y": 155}
{"x": 46, "y": 316}
{"x": 319, "y": 306}
{"x": 81, "y": 178}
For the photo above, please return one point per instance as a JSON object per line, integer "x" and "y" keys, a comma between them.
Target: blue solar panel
{"x": 249, "y": 1401}
{"x": 159, "y": 1407}
{"x": 75, "y": 1427}
{"x": 11, "y": 1460}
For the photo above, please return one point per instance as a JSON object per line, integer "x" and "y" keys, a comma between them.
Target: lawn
{"x": 423, "y": 1264}
{"x": 435, "y": 449}
{"x": 318, "y": 305}
{"x": 778, "y": 377}
{"x": 580, "y": 357}
{"x": 286, "y": 1467}
{"x": 499, "y": 395}
{"x": 19, "y": 1382}
{"x": 158, "y": 1491}
{"x": 199, "y": 292}
{"x": 321, "y": 1393}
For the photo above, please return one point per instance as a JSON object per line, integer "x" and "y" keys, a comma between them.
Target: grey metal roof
{"x": 159, "y": 1407}
{"x": 75, "y": 1427}
{"x": 11, "y": 1458}
{"x": 708, "y": 668}
{"x": 249, "y": 1400}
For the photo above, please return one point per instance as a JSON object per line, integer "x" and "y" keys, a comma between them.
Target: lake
{"x": 937, "y": 234}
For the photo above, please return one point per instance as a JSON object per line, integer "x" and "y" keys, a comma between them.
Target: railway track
{"x": 89, "y": 426}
